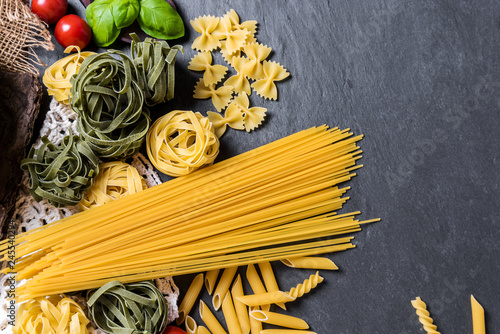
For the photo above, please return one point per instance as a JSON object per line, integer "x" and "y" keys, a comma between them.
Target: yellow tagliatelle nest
{"x": 181, "y": 142}
{"x": 54, "y": 314}
{"x": 56, "y": 77}
{"x": 116, "y": 179}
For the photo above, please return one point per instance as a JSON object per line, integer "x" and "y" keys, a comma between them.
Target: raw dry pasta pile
{"x": 248, "y": 58}
{"x": 248, "y": 313}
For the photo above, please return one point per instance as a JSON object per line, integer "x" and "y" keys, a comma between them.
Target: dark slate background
{"x": 420, "y": 80}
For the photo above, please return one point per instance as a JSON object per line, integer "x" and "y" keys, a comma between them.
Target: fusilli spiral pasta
{"x": 305, "y": 287}
{"x": 424, "y": 316}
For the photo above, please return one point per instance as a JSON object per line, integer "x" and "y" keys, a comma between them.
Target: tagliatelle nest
{"x": 182, "y": 142}
{"x": 116, "y": 179}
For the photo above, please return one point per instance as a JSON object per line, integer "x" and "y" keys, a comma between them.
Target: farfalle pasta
{"x": 206, "y": 26}
{"x": 253, "y": 115}
{"x": 220, "y": 96}
{"x": 247, "y": 58}
{"x": 115, "y": 180}
{"x": 256, "y": 53}
{"x": 54, "y": 314}
{"x": 56, "y": 77}
{"x": 235, "y": 39}
{"x": 266, "y": 87}
{"x": 233, "y": 117}
{"x": 239, "y": 82}
{"x": 212, "y": 74}
{"x": 181, "y": 142}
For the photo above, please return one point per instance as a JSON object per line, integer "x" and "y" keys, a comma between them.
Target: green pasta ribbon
{"x": 155, "y": 62}
{"x": 108, "y": 99}
{"x": 118, "y": 308}
{"x": 62, "y": 173}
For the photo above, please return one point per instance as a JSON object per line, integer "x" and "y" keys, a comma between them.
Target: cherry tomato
{"x": 49, "y": 11}
{"x": 173, "y": 330}
{"x": 73, "y": 30}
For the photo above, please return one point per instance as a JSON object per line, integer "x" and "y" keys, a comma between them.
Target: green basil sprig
{"x": 155, "y": 63}
{"x": 157, "y": 18}
{"x": 62, "y": 173}
{"x": 109, "y": 102}
{"x": 118, "y": 308}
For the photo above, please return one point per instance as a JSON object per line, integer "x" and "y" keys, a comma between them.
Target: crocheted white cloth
{"x": 59, "y": 122}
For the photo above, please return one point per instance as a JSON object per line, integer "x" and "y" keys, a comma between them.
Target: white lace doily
{"x": 59, "y": 122}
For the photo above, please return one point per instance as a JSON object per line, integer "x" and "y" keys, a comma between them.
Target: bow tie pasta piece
{"x": 233, "y": 117}
{"x": 56, "y": 77}
{"x": 239, "y": 82}
{"x": 228, "y": 57}
{"x": 181, "y": 142}
{"x": 234, "y": 19}
{"x": 116, "y": 179}
{"x": 251, "y": 26}
{"x": 273, "y": 72}
{"x": 256, "y": 53}
{"x": 220, "y": 96}
{"x": 235, "y": 39}
{"x": 205, "y": 25}
{"x": 253, "y": 116}
{"x": 212, "y": 73}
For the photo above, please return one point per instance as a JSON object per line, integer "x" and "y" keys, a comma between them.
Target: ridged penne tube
{"x": 203, "y": 330}
{"x": 310, "y": 262}
{"x": 269, "y": 279}
{"x": 308, "y": 284}
{"x": 424, "y": 316}
{"x": 223, "y": 286}
{"x": 478, "y": 324}
{"x": 210, "y": 279}
{"x": 240, "y": 308}
{"x": 233, "y": 325}
{"x": 190, "y": 298}
{"x": 210, "y": 320}
{"x": 256, "y": 284}
{"x": 266, "y": 298}
{"x": 279, "y": 319}
{"x": 286, "y": 331}
{"x": 191, "y": 326}
{"x": 255, "y": 325}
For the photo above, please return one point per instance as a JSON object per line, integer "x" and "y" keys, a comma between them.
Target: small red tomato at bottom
{"x": 173, "y": 330}
{"x": 73, "y": 30}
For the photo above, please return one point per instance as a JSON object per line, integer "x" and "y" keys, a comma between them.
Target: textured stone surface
{"x": 420, "y": 80}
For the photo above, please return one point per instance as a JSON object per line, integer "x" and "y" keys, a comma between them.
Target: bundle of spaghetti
{"x": 267, "y": 204}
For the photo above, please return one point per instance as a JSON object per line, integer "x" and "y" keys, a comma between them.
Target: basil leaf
{"x": 125, "y": 12}
{"x": 100, "y": 18}
{"x": 158, "y": 19}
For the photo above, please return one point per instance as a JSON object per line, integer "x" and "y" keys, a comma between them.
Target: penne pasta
{"x": 240, "y": 308}
{"x": 210, "y": 279}
{"x": 210, "y": 320}
{"x": 191, "y": 326}
{"x": 269, "y": 279}
{"x": 233, "y": 325}
{"x": 223, "y": 286}
{"x": 203, "y": 330}
{"x": 266, "y": 298}
{"x": 310, "y": 262}
{"x": 478, "y": 324}
{"x": 255, "y": 325}
{"x": 190, "y": 298}
{"x": 256, "y": 284}
{"x": 279, "y": 319}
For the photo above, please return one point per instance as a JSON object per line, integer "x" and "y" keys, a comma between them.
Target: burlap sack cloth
{"x": 20, "y": 32}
